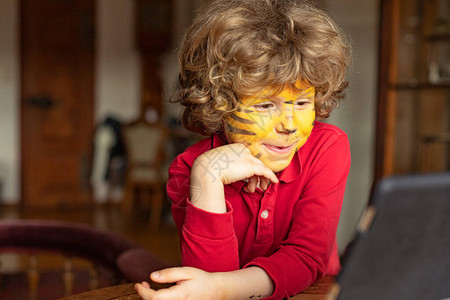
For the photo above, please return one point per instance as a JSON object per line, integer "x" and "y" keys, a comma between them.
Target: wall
{"x": 117, "y": 70}
{"x": 356, "y": 115}
{"x": 9, "y": 95}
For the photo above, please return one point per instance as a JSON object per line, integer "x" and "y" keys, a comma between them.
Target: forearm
{"x": 208, "y": 240}
{"x": 247, "y": 283}
{"x": 206, "y": 191}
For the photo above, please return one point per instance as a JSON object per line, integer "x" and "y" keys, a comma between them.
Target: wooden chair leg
{"x": 144, "y": 198}
{"x": 156, "y": 209}
{"x": 94, "y": 274}
{"x": 68, "y": 276}
{"x": 33, "y": 276}
{"x": 128, "y": 199}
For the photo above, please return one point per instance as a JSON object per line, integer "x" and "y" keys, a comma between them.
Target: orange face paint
{"x": 274, "y": 127}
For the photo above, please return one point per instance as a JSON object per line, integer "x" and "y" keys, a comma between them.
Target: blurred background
{"x": 70, "y": 69}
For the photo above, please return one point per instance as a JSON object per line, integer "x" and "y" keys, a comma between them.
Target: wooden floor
{"x": 162, "y": 241}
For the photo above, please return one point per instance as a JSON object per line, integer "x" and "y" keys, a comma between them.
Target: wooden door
{"x": 57, "y": 64}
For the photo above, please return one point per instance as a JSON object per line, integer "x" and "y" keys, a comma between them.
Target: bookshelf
{"x": 413, "y": 117}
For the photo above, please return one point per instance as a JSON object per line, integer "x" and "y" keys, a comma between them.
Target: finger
{"x": 269, "y": 174}
{"x": 252, "y": 183}
{"x": 171, "y": 274}
{"x": 263, "y": 171}
{"x": 144, "y": 292}
{"x": 145, "y": 283}
{"x": 174, "y": 292}
{"x": 263, "y": 183}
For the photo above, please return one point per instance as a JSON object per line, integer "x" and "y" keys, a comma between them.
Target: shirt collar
{"x": 293, "y": 170}
{"x": 287, "y": 175}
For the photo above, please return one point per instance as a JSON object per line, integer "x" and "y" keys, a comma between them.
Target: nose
{"x": 286, "y": 123}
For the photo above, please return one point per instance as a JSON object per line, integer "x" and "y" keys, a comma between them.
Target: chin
{"x": 276, "y": 167}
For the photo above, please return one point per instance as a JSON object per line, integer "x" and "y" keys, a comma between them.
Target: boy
{"x": 257, "y": 204}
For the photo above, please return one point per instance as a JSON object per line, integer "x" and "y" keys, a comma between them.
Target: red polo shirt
{"x": 289, "y": 230}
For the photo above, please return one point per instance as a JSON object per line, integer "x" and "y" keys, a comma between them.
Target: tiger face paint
{"x": 273, "y": 127}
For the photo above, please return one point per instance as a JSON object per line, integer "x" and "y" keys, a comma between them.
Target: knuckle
{"x": 261, "y": 168}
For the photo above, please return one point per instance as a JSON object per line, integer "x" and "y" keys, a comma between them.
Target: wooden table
{"x": 323, "y": 289}
{"x": 122, "y": 292}
{"x": 320, "y": 290}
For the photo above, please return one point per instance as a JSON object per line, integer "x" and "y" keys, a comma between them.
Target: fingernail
{"x": 155, "y": 274}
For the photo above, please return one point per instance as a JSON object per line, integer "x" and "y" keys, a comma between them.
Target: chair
{"x": 145, "y": 153}
{"x": 109, "y": 258}
{"x": 402, "y": 250}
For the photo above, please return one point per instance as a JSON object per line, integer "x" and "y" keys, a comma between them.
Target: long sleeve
{"x": 208, "y": 240}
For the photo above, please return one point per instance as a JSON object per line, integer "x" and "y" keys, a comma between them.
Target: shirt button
{"x": 265, "y": 214}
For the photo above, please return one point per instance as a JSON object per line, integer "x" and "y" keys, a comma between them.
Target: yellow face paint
{"x": 273, "y": 127}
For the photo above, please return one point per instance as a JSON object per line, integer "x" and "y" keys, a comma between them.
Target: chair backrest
{"x": 65, "y": 237}
{"x": 403, "y": 248}
{"x": 118, "y": 257}
{"x": 144, "y": 143}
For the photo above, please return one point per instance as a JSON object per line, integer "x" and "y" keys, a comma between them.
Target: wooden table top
{"x": 320, "y": 290}
{"x": 122, "y": 292}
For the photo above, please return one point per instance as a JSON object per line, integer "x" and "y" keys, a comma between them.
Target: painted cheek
{"x": 247, "y": 127}
{"x": 263, "y": 124}
{"x": 304, "y": 123}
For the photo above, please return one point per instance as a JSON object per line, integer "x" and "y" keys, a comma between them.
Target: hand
{"x": 225, "y": 165}
{"x": 231, "y": 163}
{"x": 191, "y": 283}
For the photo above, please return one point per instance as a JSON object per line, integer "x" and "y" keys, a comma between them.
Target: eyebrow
{"x": 304, "y": 94}
{"x": 244, "y": 110}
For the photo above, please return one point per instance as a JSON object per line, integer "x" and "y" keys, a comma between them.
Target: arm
{"x": 249, "y": 283}
{"x": 213, "y": 250}
{"x": 203, "y": 216}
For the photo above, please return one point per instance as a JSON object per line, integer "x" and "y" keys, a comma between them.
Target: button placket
{"x": 264, "y": 232}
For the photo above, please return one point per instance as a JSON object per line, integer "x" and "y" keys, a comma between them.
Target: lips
{"x": 279, "y": 149}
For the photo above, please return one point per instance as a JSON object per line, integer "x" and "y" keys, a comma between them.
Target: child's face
{"x": 273, "y": 128}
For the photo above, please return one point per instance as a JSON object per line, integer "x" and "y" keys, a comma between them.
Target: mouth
{"x": 279, "y": 149}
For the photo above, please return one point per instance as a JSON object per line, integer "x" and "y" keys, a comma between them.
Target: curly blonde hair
{"x": 236, "y": 48}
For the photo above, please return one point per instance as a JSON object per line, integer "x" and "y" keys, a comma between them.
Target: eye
{"x": 302, "y": 103}
{"x": 265, "y": 106}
